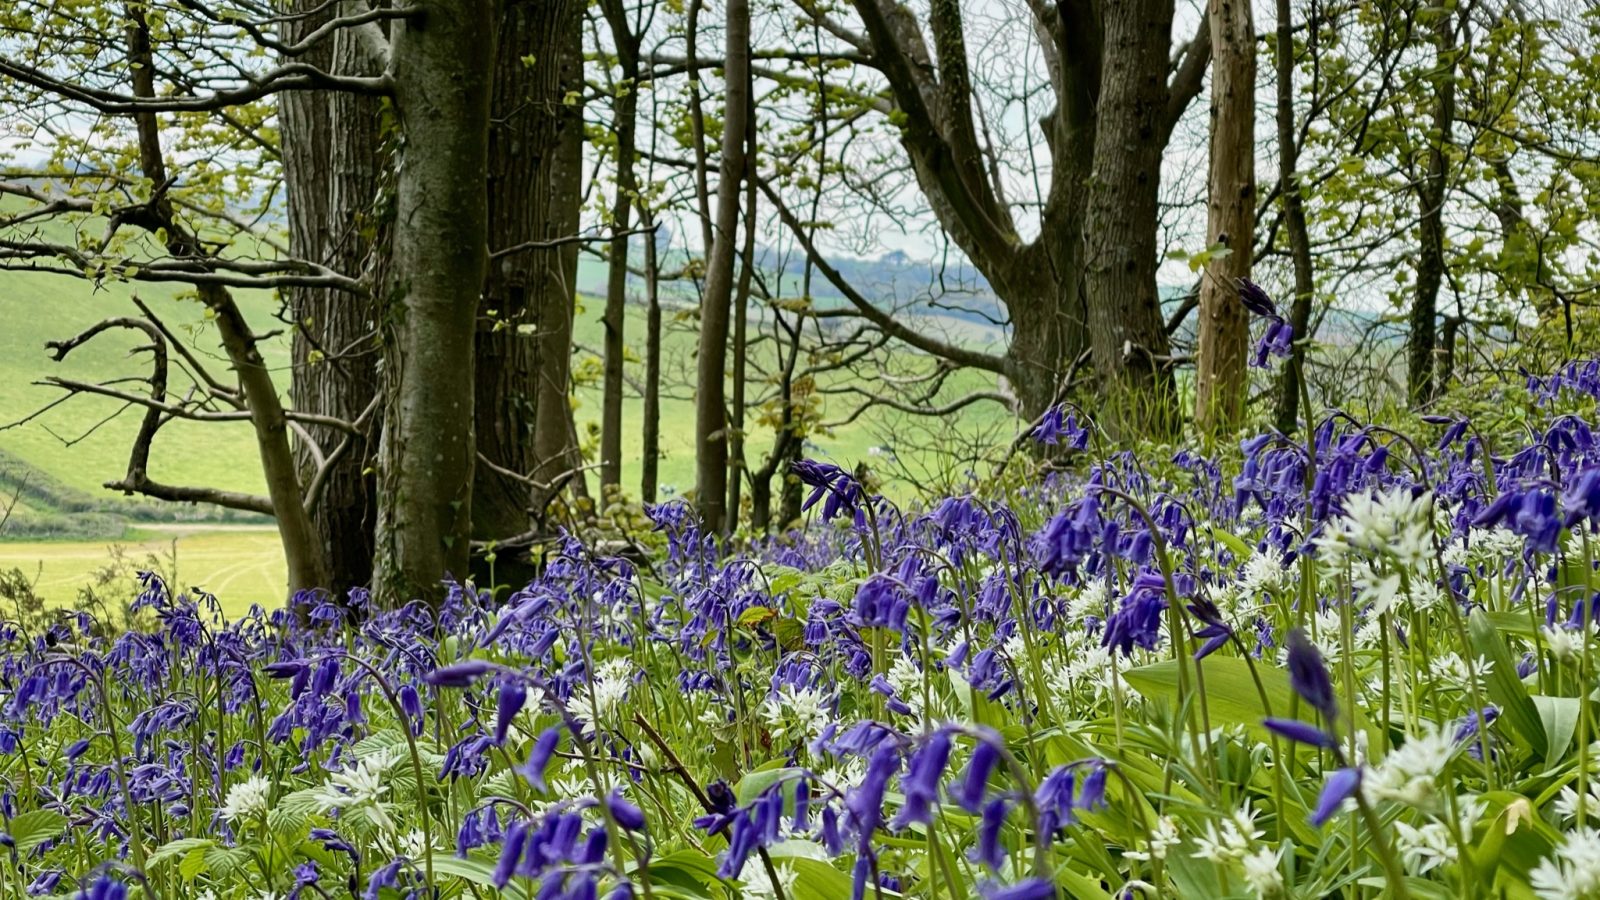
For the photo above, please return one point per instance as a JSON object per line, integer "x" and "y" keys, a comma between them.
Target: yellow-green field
{"x": 241, "y": 565}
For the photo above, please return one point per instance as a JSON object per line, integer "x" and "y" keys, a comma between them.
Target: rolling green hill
{"x": 56, "y": 462}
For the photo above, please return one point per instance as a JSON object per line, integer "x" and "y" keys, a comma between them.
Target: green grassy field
{"x": 82, "y": 443}
{"x": 241, "y": 565}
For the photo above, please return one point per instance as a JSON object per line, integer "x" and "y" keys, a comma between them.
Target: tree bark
{"x": 650, "y": 428}
{"x": 625, "y": 106}
{"x": 741, "y": 323}
{"x": 1231, "y": 219}
{"x": 442, "y": 86}
{"x": 1294, "y": 223}
{"x": 1430, "y": 197}
{"x": 524, "y": 330}
{"x": 331, "y": 177}
{"x": 711, "y": 414}
{"x": 302, "y": 553}
{"x": 1126, "y": 332}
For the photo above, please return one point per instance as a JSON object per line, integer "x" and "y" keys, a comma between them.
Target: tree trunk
{"x": 711, "y": 414}
{"x": 331, "y": 176}
{"x": 524, "y": 334}
{"x": 443, "y": 60}
{"x": 1294, "y": 222}
{"x": 1126, "y": 332}
{"x": 302, "y": 553}
{"x": 617, "y": 274}
{"x": 741, "y": 323}
{"x": 650, "y": 438}
{"x": 1231, "y": 219}
{"x": 1430, "y": 197}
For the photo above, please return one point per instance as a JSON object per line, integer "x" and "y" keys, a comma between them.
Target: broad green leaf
{"x": 1232, "y": 542}
{"x": 818, "y": 880}
{"x": 756, "y": 783}
{"x": 1504, "y": 687}
{"x": 30, "y": 829}
{"x": 177, "y": 848}
{"x": 194, "y": 864}
{"x": 477, "y": 871}
{"x": 1232, "y": 697}
{"x": 1560, "y": 718}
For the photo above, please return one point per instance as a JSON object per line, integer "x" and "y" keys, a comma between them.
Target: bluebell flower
{"x": 920, "y": 784}
{"x": 841, "y": 489}
{"x": 1028, "y": 889}
{"x": 626, "y": 814}
{"x": 1255, "y": 299}
{"x": 865, "y": 801}
{"x": 1301, "y": 732}
{"x": 1309, "y": 677}
{"x": 1341, "y": 786}
{"x": 513, "y": 695}
{"x": 104, "y": 887}
{"x": 975, "y": 782}
{"x": 459, "y": 675}
{"x": 988, "y": 850}
{"x": 539, "y": 759}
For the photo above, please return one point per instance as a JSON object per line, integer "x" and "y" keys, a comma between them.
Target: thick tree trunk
{"x": 442, "y": 75}
{"x": 1231, "y": 219}
{"x": 1294, "y": 223}
{"x": 1126, "y": 332}
{"x": 1430, "y": 198}
{"x": 529, "y": 200}
{"x": 331, "y": 177}
{"x": 711, "y": 414}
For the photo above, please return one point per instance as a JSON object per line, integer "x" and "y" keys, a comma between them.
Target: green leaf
{"x": 1560, "y": 718}
{"x": 177, "y": 848}
{"x": 31, "y": 829}
{"x": 756, "y": 783}
{"x": 1504, "y": 687}
{"x": 194, "y": 864}
{"x": 1231, "y": 694}
{"x": 1233, "y": 542}
{"x": 817, "y": 880}
{"x": 478, "y": 871}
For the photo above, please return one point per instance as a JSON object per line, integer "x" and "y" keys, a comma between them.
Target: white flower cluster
{"x": 1431, "y": 845}
{"x": 1410, "y": 773}
{"x": 360, "y": 790}
{"x": 246, "y": 799}
{"x": 797, "y": 714}
{"x": 612, "y": 679}
{"x": 1378, "y": 536}
{"x": 1573, "y": 871}
{"x": 1237, "y": 841}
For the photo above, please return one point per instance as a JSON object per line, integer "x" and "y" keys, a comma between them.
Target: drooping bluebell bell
{"x": 920, "y": 784}
{"x": 627, "y": 815}
{"x": 104, "y": 887}
{"x": 974, "y": 782}
{"x": 1137, "y": 623}
{"x": 1341, "y": 786}
{"x": 1027, "y": 889}
{"x": 1301, "y": 732}
{"x": 513, "y": 695}
{"x": 987, "y": 849}
{"x": 1309, "y": 677}
{"x": 459, "y": 675}
{"x": 539, "y": 758}
{"x": 841, "y": 489}
{"x": 865, "y": 800}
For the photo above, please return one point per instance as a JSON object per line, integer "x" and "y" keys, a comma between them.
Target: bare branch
{"x": 288, "y": 77}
